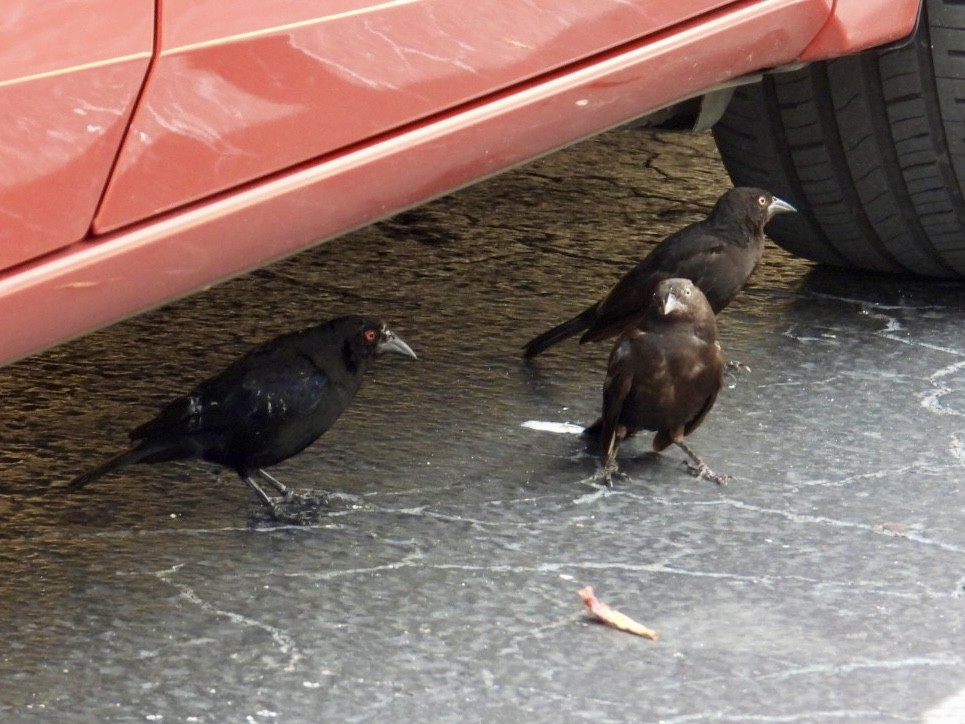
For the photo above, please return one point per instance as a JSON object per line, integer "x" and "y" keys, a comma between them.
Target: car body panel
{"x": 236, "y": 96}
{"x": 98, "y": 282}
{"x": 857, "y": 25}
{"x": 69, "y": 78}
{"x": 528, "y": 103}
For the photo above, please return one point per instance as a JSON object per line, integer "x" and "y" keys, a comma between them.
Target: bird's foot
{"x": 288, "y": 517}
{"x": 293, "y": 497}
{"x": 701, "y": 471}
{"x": 698, "y": 468}
{"x": 296, "y": 508}
{"x": 292, "y": 512}
{"x": 292, "y": 508}
{"x": 610, "y": 472}
{"x": 736, "y": 367}
{"x": 734, "y": 370}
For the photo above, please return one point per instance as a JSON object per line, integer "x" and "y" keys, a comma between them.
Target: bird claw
{"x": 734, "y": 370}
{"x": 609, "y": 473}
{"x": 284, "y": 515}
{"x": 300, "y": 518}
{"x": 295, "y": 508}
{"x": 702, "y": 471}
{"x": 291, "y": 496}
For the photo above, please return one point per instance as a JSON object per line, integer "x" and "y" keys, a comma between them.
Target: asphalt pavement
{"x": 825, "y": 583}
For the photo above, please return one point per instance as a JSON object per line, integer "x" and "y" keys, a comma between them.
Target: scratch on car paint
{"x": 519, "y": 44}
{"x": 288, "y": 28}
{"x": 403, "y": 52}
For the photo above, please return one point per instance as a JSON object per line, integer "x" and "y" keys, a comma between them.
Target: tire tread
{"x": 870, "y": 146}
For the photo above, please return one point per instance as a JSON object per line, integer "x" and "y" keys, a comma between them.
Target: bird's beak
{"x": 670, "y": 304}
{"x": 391, "y": 342}
{"x": 778, "y": 206}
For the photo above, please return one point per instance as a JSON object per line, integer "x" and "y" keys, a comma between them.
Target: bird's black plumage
{"x": 718, "y": 254}
{"x": 663, "y": 375}
{"x": 267, "y": 406}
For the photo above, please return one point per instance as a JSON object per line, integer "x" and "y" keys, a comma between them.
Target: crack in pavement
{"x": 825, "y": 520}
{"x": 283, "y": 641}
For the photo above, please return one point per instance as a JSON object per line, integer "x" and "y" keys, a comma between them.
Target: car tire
{"x": 869, "y": 147}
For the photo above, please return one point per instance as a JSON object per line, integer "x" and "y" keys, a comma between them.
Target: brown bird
{"x": 663, "y": 376}
{"x": 718, "y": 254}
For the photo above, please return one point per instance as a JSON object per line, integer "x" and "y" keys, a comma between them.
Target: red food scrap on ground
{"x": 612, "y": 617}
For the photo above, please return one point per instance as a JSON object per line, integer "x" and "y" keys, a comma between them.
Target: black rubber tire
{"x": 870, "y": 148}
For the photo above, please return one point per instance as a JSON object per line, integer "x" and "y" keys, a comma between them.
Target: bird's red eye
{"x": 369, "y": 335}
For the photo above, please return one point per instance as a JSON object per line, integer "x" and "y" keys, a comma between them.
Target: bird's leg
{"x": 608, "y": 446}
{"x": 698, "y": 468}
{"x": 262, "y": 495}
{"x": 287, "y": 493}
{"x": 292, "y": 508}
{"x": 275, "y": 483}
{"x": 610, "y": 468}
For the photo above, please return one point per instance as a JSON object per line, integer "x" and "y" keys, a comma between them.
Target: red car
{"x": 149, "y": 148}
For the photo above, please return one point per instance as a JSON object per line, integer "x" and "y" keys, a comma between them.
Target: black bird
{"x": 663, "y": 376}
{"x": 718, "y": 254}
{"x": 265, "y": 407}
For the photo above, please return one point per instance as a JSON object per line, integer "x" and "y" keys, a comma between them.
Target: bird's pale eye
{"x": 687, "y": 291}
{"x": 369, "y": 335}
{"x": 762, "y": 200}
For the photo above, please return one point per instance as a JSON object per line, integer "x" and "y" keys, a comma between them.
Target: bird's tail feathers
{"x": 557, "y": 334}
{"x": 134, "y": 455}
{"x": 593, "y": 431}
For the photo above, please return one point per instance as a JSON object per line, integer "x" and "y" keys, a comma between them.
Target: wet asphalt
{"x": 826, "y": 582}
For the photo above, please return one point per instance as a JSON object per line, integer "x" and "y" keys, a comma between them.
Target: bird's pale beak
{"x": 391, "y": 342}
{"x": 670, "y": 304}
{"x": 778, "y": 206}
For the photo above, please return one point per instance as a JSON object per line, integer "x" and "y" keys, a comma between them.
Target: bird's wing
{"x": 265, "y": 388}
{"x": 688, "y": 254}
{"x": 710, "y": 378}
{"x": 616, "y": 387}
{"x": 273, "y": 394}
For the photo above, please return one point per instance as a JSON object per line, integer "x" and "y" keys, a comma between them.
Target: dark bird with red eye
{"x": 663, "y": 376}
{"x": 718, "y": 254}
{"x": 264, "y": 408}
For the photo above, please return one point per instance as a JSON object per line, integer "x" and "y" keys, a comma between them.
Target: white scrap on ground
{"x": 561, "y": 428}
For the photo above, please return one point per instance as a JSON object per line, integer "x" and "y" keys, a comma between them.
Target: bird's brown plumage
{"x": 663, "y": 375}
